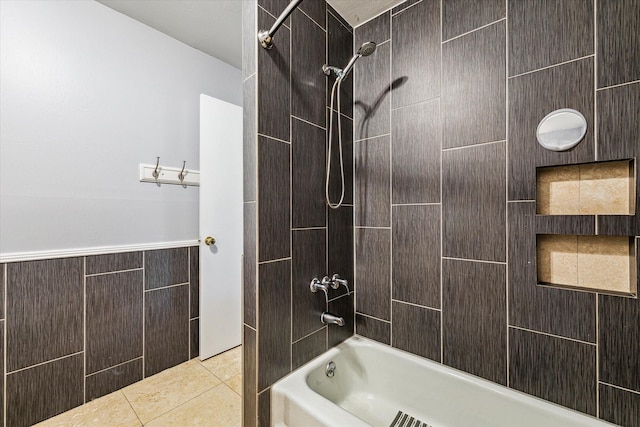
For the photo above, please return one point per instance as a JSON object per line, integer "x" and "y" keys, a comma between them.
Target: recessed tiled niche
{"x": 604, "y": 188}
{"x": 602, "y": 263}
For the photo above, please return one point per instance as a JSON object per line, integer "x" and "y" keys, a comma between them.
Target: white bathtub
{"x": 372, "y": 382}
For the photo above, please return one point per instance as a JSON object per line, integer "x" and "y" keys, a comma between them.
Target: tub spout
{"x": 328, "y": 318}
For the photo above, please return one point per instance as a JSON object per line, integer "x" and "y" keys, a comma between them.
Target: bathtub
{"x": 376, "y": 385}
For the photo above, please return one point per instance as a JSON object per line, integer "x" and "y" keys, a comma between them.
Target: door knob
{"x": 209, "y": 241}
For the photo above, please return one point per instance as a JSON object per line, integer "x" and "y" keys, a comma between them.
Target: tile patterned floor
{"x": 193, "y": 394}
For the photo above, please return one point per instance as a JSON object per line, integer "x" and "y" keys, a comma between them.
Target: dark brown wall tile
{"x": 533, "y": 96}
{"x": 373, "y": 272}
{"x": 194, "y": 281}
{"x": 416, "y": 254}
{"x": 166, "y": 267}
{"x": 45, "y": 313}
{"x": 249, "y": 375}
{"x": 474, "y": 88}
{"x": 308, "y": 258}
{"x": 264, "y": 408}
{"x": 308, "y": 82}
{"x": 308, "y": 164}
{"x": 566, "y": 224}
{"x": 194, "y": 340}
{"x": 376, "y": 30}
{"x": 416, "y": 330}
{"x": 619, "y": 329}
{"x": 335, "y": 183}
{"x": 308, "y": 348}
{"x": 372, "y": 93}
{"x": 374, "y": 329}
{"x": 619, "y": 406}
{"x": 415, "y": 147}
{"x": 345, "y": 308}
{"x": 249, "y": 39}
{"x": 339, "y": 52}
{"x": 340, "y": 244}
{"x": 372, "y": 185}
{"x": 461, "y": 16}
{"x": 473, "y": 202}
{"x": 110, "y": 380}
{"x": 416, "y": 53}
{"x": 41, "y": 392}
{"x": 166, "y": 328}
{"x": 618, "y": 42}
{"x": 554, "y": 369}
{"x": 316, "y": 10}
{"x": 274, "y": 195}
{"x": 539, "y": 308}
{"x": 548, "y": 32}
{"x": 2, "y": 382}
{"x": 274, "y": 91}
{"x": 618, "y": 136}
{"x": 250, "y": 262}
{"x": 274, "y": 341}
{"x": 275, "y": 8}
{"x": 249, "y": 138}
{"x": 114, "y": 319}
{"x": 474, "y": 318}
{"x": 113, "y": 262}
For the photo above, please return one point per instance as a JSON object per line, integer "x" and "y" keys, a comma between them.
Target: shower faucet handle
{"x": 337, "y": 281}
{"x": 330, "y": 282}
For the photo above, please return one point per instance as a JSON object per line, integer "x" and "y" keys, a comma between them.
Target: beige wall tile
{"x": 605, "y": 188}
{"x": 604, "y": 263}
{"x": 558, "y": 191}
{"x": 557, "y": 259}
{"x": 162, "y": 392}
{"x": 110, "y": 410}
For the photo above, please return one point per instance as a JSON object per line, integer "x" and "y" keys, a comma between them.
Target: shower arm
{"x": 266, "y": 37}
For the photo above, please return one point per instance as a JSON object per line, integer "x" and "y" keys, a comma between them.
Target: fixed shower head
{"x": 365, "y": 50}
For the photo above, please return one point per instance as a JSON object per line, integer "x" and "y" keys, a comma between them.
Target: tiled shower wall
{"x": 290, "y": 234}
{"x": 79, "y": 328}
{"x": 444, "y": 190}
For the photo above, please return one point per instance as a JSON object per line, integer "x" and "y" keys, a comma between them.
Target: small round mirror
{"x": 561, "y": 129}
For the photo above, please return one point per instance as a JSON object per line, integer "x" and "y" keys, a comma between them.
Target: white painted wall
{"x": 86, "y": 95}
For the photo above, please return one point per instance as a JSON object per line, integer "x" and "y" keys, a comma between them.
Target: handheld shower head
{"x": 365, "y": 50}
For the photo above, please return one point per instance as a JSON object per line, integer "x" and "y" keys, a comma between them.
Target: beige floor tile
{"x": 217, "y": 407}
{"x": 225, "y": 365}
{"x": 235, "y": 383}
{"x": 112, "y": 410}
{"x": 167, "y": 390}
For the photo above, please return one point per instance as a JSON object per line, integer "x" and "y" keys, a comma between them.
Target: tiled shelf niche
{"x": 600, "y": 263}
{"x": 604, "y": 188}
{"x": 590, "y": 262}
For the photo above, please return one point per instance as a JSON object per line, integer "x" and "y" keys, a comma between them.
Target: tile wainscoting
{"x": 82, "y": 327}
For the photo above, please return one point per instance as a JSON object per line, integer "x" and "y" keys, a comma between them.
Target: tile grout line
{"x": 106, "y": 273}
{"x": 43, "y": 363}
{"x": 618, "y": 85}
{"x": 475, "y": 260}
{"x": 271, "y": 261}
{"x": 167, "y": 287}
{"x": 552, "y": 335}
{"x": 550, "y": 66}
{"x": 114, "y": 366}
{"x": 256, "y": 230}
{"x": 308, "y": 335}
{"x": 290, "y": 196}
{"x": 390, "y": 201}
{"x": 472, "y": 31}
{"x": 441, "y": 125}
{"x": 369, "y": 138}
{"x": 506, "y": 189}
{"x": 619, "y": 387}
{"x": 480, "y": 144}
{"x": 403, "y": 10}
{"x": 308, "y": 122}
{"x": 416, "y": 305}
{"x": 373, "y": 317}
{"x": 414, "y": 104}
{"x": 131, "y": 406}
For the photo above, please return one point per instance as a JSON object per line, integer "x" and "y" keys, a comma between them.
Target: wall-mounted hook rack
{"x": 159, "y": 174}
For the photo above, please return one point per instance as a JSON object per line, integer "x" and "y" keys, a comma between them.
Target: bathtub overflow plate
{"x": 330, "y": 370}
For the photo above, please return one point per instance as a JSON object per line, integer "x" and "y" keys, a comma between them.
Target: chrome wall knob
{"x": 209, "y": 241}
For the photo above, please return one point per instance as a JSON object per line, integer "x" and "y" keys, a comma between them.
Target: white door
{"x": 220, "y": 218}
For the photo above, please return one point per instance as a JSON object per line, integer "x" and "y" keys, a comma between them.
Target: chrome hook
{"x": 156, "y": 171}
{"x": 181, "y": 174}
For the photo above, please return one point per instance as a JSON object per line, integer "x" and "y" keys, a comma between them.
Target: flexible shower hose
{"x": 326, "y": 188}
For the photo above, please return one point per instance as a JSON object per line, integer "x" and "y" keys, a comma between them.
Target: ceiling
{"x": 215, "y": 26}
